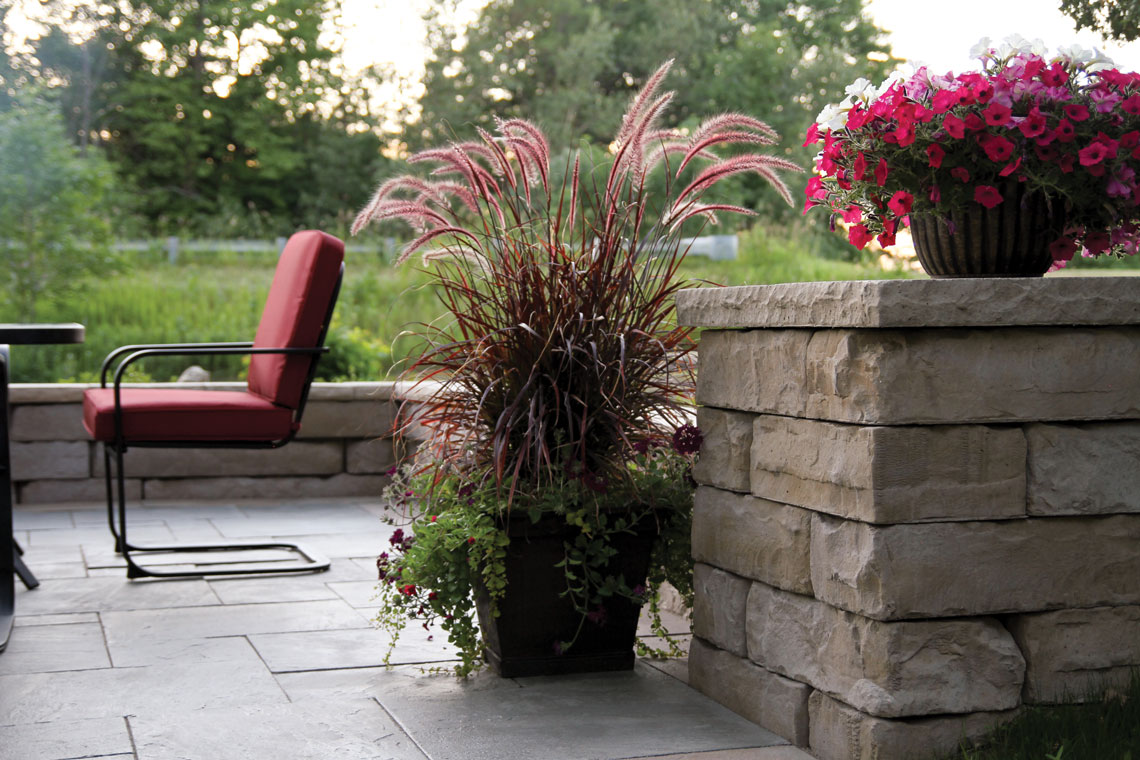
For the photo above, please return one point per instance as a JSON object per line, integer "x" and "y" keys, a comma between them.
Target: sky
{"x": 391, "y": 31}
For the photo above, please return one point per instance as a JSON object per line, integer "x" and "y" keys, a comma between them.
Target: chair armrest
{"x": 193, "y": 349}
{"x": 107, "y": 362}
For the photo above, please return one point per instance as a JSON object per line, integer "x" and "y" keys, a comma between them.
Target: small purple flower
{"x": 397, "y": 538}
{"x": 391, "y": 470}
{"x": 638, "y": 590}
{"x": 642, "y": 446}
{"x": 598, "y": 616}
{"x": 687, "y": 439}
{"x": 594, "y": 482}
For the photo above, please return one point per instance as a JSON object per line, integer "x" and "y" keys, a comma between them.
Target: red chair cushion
{"x": 294, "y": 312}
{"x": 161, "y": 414}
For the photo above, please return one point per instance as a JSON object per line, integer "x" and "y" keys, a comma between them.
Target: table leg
{"x": 7, "y": 538}
{"x": 22, "y": 569}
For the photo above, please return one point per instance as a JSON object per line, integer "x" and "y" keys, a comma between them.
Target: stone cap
{"x": 973, "y": 302}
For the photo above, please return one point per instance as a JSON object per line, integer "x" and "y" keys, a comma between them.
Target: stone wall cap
{"x": 973, "y": 302}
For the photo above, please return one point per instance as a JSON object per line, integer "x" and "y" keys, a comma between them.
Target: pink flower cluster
{"x": 932, "y": 144}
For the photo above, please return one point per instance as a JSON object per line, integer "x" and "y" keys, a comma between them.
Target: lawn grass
{"x": 1107, "y": 728}
{"x": 220, "y": 299}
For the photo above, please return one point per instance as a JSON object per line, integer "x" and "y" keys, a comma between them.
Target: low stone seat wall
{"x": 343, "y": 449}
{"x": 919, "y": 506}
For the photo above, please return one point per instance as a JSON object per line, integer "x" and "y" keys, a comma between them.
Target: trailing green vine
{"x": 451, "y": 545}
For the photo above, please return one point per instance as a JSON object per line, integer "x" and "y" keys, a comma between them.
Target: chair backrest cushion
{"x": 299, "y": 299}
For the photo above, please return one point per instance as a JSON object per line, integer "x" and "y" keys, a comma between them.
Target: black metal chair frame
{"x": 312, "y": 562}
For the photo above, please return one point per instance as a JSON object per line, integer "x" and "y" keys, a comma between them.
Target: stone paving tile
{"x": 48, "y": 648}
{"x": 176, "y": 650}
{"x": 381, "y": 683}
{"x": 360, "y": 594}
{"x": 674, "y": 623}
{"x": 140, "y": 514}
{"x": 762, "y": 753}
{"x": 147, "y": 635}
{"x": 300, "y": 587}
{"x": 64, "y": 618}
{"x": 96, "y": 535}
{"x": 276, "y": 523}
{"x": 50, "y": 554}
{"x": 356, "y": 729}
{"x": 56, "y": 570}
{"x": 614, "y": 715}
{"x": 362, "y": 648}
{"x": 347, "y": 545}
{"x": 58, "y": 739}
{"x": 115, "y": 692}
{"x": 106, "y": 594}
{"x": 28, "y": 520}
{"x": 677, "y": 667}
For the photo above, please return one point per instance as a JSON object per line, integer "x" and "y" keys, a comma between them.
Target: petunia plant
{"x": 1066, "y": 126}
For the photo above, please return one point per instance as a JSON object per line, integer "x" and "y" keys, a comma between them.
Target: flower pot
{"x": 1010, "y": 240}
{"x": 534, "y": 617}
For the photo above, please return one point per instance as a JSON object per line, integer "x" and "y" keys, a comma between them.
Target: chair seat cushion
{"x": 162, "y": 414}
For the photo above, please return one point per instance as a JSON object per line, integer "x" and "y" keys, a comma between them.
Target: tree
{"x": 53, "y": 207}
{"x": 572, "y": 65}
{"x": 1112, "y": 19}
{"x": 206, "y": 107}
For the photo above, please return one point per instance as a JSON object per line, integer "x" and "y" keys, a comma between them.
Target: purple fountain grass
{"x": 563, "y": 350}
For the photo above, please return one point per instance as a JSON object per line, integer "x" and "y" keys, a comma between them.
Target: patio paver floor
{"x": 290, "y": 667}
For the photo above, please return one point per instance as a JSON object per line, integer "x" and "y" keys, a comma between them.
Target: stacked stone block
{"x": 919, "y": 506}
{"x": 344, "y": 448}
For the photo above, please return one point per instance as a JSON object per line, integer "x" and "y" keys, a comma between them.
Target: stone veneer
{"x": 343, "y": 449}
{"x": 919, "y": 504}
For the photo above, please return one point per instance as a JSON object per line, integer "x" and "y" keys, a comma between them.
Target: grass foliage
{"x": 1106, "y": 728}
{"x": 221, "y": 297}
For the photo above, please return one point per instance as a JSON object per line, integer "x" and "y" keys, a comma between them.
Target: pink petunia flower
{"x": 997, "y": 115}
{"x": 1076, "y": 112}
{"x": 935, "y": 154}
{"x": 900, "y": 203}
{"x": 987, "y": 195}
{"x": 954, "y": 126}
{"x": 881, "y": 172}
{"x": 1093, "y": 154}
{"x": 998, "y": 149}
{"x": 859, "y": 236}
{"x": 960, "y": 173}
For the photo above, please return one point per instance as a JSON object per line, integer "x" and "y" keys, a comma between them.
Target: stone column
{"x": 919, "y": 504}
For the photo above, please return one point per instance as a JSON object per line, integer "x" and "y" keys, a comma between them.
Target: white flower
{"x": 859, "y": 87}
{"x": 886, "y": 85}
{"x": 1075, "y": 54}
{"x": 981, "y": 48}
{"x": 1098, "y": 61}
{"x": 833, "y": 116}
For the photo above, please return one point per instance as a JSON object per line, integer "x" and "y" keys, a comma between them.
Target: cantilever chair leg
{"x": 311, "y": 561}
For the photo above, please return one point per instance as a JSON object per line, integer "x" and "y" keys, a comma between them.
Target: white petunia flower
{"x": 859, "y": 87}
{"x": 833, "y": 116}
{"x": 980, "y": 48}
{"x": 1098, "y": 61}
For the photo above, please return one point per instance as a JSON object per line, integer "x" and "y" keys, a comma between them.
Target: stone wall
{"x": 919, "y": 506}
{"x": 343, "y": 449}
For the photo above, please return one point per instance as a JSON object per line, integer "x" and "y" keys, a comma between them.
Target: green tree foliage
{"x": 572, "y": 65}
{"x": 212, "y": 110}
{"x": 53, "y": 208}
{"x": 1113, "y": 19}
